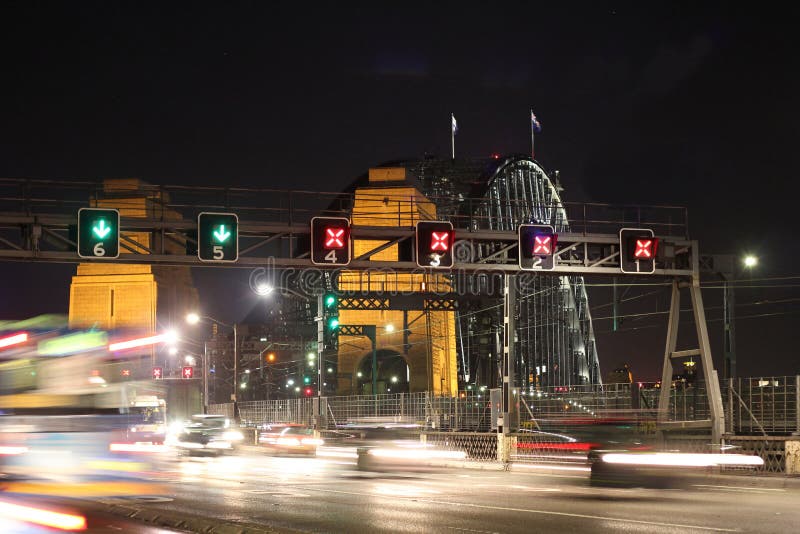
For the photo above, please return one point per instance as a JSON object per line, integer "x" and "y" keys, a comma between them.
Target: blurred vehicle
{"x": 59, "y": 418}
{"x": 408, "y": 456}
{"x": 207, "y": 434}
{"x": 147, "y": 422}
{"x": 659, "y": 469}
{"x": 290, "y": 439}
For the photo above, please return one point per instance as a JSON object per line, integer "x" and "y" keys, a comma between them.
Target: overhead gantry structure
{"x": 39, "y": 223}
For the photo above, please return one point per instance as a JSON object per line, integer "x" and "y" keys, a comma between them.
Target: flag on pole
{"x": 535, "y": 124}
{"x": 454, "y": 124}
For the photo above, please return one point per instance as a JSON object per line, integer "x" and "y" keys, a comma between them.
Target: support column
{"x": 713, "y": 391}
{"x": 510, "y": 411}
{"x": 672, "y": 340}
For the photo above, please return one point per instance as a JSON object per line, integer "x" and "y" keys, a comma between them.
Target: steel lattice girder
{"x": 47, "y": 239}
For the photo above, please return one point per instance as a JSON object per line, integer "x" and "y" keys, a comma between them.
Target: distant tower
{"x": 416, "y": 349}
{"x": 140, "y": 297}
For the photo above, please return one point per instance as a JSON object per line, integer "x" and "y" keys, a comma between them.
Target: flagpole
{"x": 452, "y": 136}
{"x": 533, "y": 153}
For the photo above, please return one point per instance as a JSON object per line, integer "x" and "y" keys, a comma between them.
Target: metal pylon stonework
{"x": 716, "y": 421}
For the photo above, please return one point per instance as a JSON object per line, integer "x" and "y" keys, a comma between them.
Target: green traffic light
{"x": 330, "y": 301}
{"x": 333, "y": 323}
{"x": 306, "y": 380}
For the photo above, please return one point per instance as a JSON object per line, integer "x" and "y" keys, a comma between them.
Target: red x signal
{"x": 157, "y": 372}
{"x": 543, "y": 244}
{"x": 644, "y": 249}
{"x": 188, "y": 372}
{"x": 440, "y": 240}
{"x": 334, "y": 237}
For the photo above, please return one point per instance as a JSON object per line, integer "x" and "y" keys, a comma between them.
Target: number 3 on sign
{"x": 331, "y": 256}
{"x": 219, "y": 254}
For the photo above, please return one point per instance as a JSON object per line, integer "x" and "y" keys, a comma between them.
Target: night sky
{"x": 653, "y": 103}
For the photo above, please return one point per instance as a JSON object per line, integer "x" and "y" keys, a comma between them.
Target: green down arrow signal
{"x": 101, "y": 229}
{"x": 221, "y": 234}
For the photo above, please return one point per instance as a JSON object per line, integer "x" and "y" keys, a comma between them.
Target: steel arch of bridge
{"x": 520, "y": 192}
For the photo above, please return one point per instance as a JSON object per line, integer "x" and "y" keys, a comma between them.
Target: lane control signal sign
{"x": 435, "y": 241}
{"x": 330, "y": 241}
{"x": 218, "y": 237}
{"x": 158, "y": 373}
{"x": 98, "y": 233}
{"x": 537, "y": 247}
{"x": 637, "y": 250}
{"x": 188, "y": 372}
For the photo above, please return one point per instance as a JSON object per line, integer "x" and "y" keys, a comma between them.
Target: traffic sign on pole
{"x": 330, "y": 241}
{"x": 435, "y": 241}
{"x": 537, "y": 247}
{"x": 637, "y": 251}
{"x": 98, "y": 233}
{"x": 218, "y": 237}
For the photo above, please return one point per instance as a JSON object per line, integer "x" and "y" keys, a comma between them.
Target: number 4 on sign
{"x": 331, "y": 256}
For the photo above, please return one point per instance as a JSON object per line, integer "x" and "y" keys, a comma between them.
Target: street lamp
{"x": 750, "y": 261}
{"x": 194, "y": 318}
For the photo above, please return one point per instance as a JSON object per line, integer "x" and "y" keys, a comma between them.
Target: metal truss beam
{"x": 413, "y": 302}
{"x": 48, "y": 239}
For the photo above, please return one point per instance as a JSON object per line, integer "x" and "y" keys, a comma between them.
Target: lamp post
{"x": 194, "y": 318}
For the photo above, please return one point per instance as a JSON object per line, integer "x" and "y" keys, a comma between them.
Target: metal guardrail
{"x": 479, "y": 446}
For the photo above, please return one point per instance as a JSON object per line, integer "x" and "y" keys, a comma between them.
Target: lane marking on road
{"x": 276, "y": 493}
{"x": 473, "y": 530}
{"x": 739, "y": 489}
{"x": 544, "y": 512}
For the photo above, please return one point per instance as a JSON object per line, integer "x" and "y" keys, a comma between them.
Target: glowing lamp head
{"x": 750, "y": 261}
{"x": 192, "y": 318}
{"x": 263, "y": 289}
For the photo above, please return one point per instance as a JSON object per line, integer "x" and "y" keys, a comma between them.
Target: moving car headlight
{"x": 233, "y": 435}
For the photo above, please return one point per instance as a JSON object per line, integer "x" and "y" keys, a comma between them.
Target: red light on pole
{"x": 334, "y": 237}
{"x": 126, "y": 372}
{"x": 158, "y": 373}
{"x": 440, "y": 241}
{"x": 308, "y": 392}
{"x": 14, "y": 339}
{"x": 188, "y": 372}
{"x": 543, "y": 244}
{"x": 330, "y": 241}
{"x": 644, "y": 249}
{"x": 434, "y": 244}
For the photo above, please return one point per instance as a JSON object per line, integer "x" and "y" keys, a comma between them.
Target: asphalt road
{"x": 329, "y": 495}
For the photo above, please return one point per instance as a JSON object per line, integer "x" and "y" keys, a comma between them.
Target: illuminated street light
{"x": 394, "y": 379}
{"x": 750, "y": 261}
{"x": 264, "y": 288}
{"x": 390, "y": 328}
{"x": 173, "y": 351}
{"x": 192, "y": 318}
{"x": 189, "y": 360}
{"x": 359, "y": 375}
{"x": 311, "y": 355}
